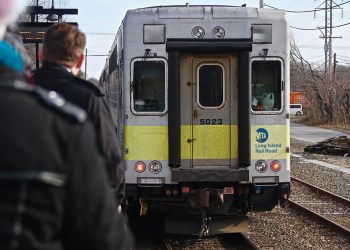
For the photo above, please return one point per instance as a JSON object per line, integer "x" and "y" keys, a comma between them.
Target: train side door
{"x": 206, "y": 109}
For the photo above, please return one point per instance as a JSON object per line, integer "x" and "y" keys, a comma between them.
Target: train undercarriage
{"x": 213, "y": 208}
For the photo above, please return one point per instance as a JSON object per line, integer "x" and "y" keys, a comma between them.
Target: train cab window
{"x": 149, "y": 86}
{"x": 210, "y": 91}
{"x": 267, "y": 85}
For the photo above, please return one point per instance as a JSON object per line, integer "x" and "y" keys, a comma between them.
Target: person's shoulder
{"x": 49, "y": 99}
{"x": 57, "y": 102}
{"x": 88, "y": 85}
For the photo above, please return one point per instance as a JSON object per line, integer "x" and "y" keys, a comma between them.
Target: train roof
{"x": 198, "y": 11}
{"x": 194, "y": 5}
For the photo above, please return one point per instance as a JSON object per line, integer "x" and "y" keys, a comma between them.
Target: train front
{"x": 206, "y": 114}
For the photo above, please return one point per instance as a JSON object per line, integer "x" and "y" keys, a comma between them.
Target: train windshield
{"x": 149, "y": 86}
{"x": 266, "y": 85}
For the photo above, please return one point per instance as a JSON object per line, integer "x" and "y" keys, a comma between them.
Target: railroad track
{"x": 166, "y": 241}
{"x": 149, "y": 235}
{"x": 330, "y": 209}
{"x": 235, "y": 241}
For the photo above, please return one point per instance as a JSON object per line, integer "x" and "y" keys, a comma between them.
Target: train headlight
{"x": 218, "y": 32}
{"x": 154, "y": 33}
{"x": 140, "y": 167}
{"x": 275, "y": 166}
{"x": 261, "y": 166}
{"x": 155, "y": 167}
{"x": 198, "y": 32}
{"x": 262, "y": 33}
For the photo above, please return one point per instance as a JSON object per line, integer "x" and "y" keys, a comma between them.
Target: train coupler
{"x": 206, "y": 198}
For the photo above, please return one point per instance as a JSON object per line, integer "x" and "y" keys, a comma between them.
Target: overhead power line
{"x": 100, "y": 33}
{"x": 337, "y": 26}
{"x": 305, "y": 11}
{"x": 291, "y": 11}
{"x": 302, "y": 28}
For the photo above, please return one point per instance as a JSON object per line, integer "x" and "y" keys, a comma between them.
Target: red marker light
{"x": 275, "y": 166}
{"x": 229, "y": 190}
{"x": 140, "y": 167}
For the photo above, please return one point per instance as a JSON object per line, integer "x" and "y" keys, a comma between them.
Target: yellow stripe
{"x": 146, "y": 143}
{"x": 234, "y": 141}
{"x": 186, "y": 133}
{"x": 210, "y": 142}
{"x": 151, "y": 142}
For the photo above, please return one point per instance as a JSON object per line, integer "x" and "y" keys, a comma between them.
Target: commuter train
{"x": 200, "y": 100}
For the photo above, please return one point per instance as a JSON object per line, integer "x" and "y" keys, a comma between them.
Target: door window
{"x": 210, "y": 86}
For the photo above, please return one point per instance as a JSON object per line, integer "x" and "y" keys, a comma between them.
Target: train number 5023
{"x": 210, "y": 121}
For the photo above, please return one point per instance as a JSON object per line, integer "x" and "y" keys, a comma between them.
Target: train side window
{"x": 148, "y": 86}
{"x": 266, "y": 85}
{"x": 210, "y": 90}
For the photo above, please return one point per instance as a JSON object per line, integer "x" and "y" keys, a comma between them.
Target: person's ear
{"x": 81, "y": 60}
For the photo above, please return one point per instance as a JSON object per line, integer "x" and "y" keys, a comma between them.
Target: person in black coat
{"x": 62, "y": 58}
{"x": 53, "y": 188}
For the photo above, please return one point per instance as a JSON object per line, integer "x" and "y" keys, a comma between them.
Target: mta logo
{"x": 262, "y": 135}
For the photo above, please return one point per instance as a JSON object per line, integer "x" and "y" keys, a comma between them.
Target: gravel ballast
{"x": 286, "y": 228}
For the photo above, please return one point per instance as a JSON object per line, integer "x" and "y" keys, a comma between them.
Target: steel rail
{"x": 250, "y": 242}
{"x": 338, "y": 228}
{"x": 166, "y": 241}
{"x": 322, "y": 191}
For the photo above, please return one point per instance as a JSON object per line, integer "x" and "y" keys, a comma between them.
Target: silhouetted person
{"x": 53, "y": 186}
{"x": 62, "y": 57}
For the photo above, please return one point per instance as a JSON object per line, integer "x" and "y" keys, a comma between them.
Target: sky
{"x": 100, "y": 21}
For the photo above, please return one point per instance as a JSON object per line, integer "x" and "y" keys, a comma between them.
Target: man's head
{"x": 64, "y": 44}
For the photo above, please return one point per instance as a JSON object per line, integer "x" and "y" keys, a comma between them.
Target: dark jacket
{"x": 54, "y": 193}
{"x": 89, "y": 97}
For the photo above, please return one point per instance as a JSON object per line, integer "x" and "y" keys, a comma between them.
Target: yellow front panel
{"x": 146, "y": 143}
{"x": 151, "y": 142}
{"x": 270, "y": 142}
{"x": 186, "y": 133}
{"x": 210, "y": 142}
{"x": 234, "y": 141}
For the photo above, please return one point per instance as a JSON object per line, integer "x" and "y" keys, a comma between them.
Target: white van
{"x": 296, "y": 109}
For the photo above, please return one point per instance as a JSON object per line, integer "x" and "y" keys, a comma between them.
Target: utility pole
{"x": 86, "y": 58}
{"x": 327, "y": 35}
{"x": 330, "y": 48}
{"x": 261, "y": 3}
{"x": 334, "y": 66}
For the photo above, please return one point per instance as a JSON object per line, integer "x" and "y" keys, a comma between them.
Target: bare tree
{"x": 329, "y": 100}
{"x": 48, "y": 3}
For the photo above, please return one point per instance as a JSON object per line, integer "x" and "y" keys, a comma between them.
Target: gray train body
{"x": 200, "y": 100}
